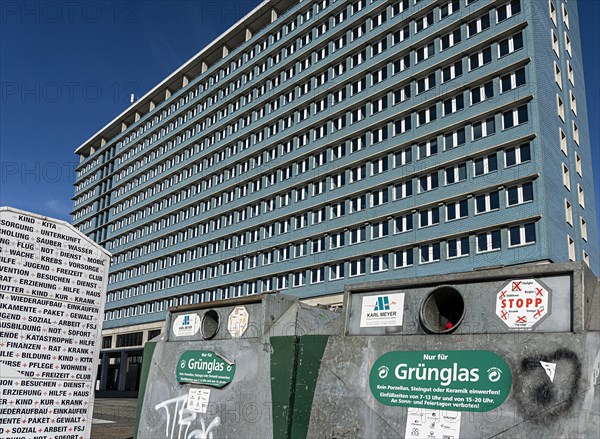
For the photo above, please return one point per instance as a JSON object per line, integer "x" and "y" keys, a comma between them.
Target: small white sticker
{"x": 382, "y": 310}
{"x": 186, "y": 325}
{"x": 550, "y": 369}
{"x": 238, "y": 321}
{"x": 429, "y": 423}
{"x": 198, "y": 400}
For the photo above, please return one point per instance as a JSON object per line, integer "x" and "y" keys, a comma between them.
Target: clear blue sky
{"x": 67, "y": 68}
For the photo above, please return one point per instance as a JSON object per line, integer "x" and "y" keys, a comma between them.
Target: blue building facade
{"x": 321, "y": 143}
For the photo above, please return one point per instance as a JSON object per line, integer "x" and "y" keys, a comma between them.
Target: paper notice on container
{"x": 428, "y": 424}
{"x": 382, "y": 310}
{"x": 198, "y": 400}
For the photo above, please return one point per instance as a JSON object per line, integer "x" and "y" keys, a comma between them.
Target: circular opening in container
{"x": 210, "y": 324}
{"x": 442, "y": 311}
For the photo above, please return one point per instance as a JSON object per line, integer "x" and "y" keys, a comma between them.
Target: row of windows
{"x": 480, "y": 129}
{"x": 482, "y": 203}
{"x": 172, "y": 124}
{"x": 482, "y": 165}
{"x": 479, "y": 243}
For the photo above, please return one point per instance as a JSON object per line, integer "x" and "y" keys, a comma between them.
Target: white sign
{"x": 52, "y": 293}
{"x": 198, "y": 400}
{"x": 237, "y": 323}
{"x": 550, "y": 369}
{"x": 523, "y": 303}
{"x": 382, "y": 310}
{"x": 428, "y": 424}
{"x": 186, "y": 324}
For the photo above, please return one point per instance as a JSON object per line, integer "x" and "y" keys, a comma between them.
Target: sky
{"x": 67, "y": 68}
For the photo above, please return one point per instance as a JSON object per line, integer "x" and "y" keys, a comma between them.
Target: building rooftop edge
{"x": 165, "y": 81}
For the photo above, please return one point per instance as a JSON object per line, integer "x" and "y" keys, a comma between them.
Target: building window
{"x": 429, "y": 217}
{"x": 573, "y": 102}
{"x": 568, "y": 212}
{"x": 557, "y": 75}
{"x": 450, "y": 39}
{"x": 379, "y": 197}
{"x": 566, "y": 177}
{"x": 425, "y": 83}
{"x": 449, "y": 8}
{"x": 358, "y": 235}
{"x": 480, "y": 58}
{"x": 514, "y": 117}
{"x": 428, "y": 182}
{"x": 403, "y": 190}
{"x": 483, "y": 128}
{"x": 336, "y": 271}
{"x": 482, "y": 93}
{"x": 519, "y": 194}
{"x": 379, "y": 263}
{"x": 424, "y": 52}
{"x": 487, "y": 202}
{"x": 452, "y": 71}
{"x": 456, "y": 210}
{"x": 580, "y": 196}
{"x": 478, "y": 25}
{"x": 404, "y": 258}
{"x": 299, "y": 279}
{"x": 555, "y": 44}
{"x": 426, "y": 115}
{"x": 485, "y": 165}
{"x": 453, "y": 105}
{"x": 583, "y": 227}
{"x": 317, "y": 275}
{"x": 563, "y": 142}
{"x": 552, "y": 12}
{"x": 510, "y": 44}
{"x": 430, "y": 253}
{"x": 512, "y": 80}
{"x": 517, "y": 155}
{"x": 457, "y": 247}
{"x": 131, "y": 339}
{"x": 560, "y": 107}
{"x": 358, "y": 267}
{"x": 337, "y": 240}
{"x": 456, "y": 173}
{"x": 578, "y": 165}
{"x": 454, "y": 139}
{"x": 107, "y": 342}
{"x": 379, "y": 230}
{"x": 427, "y": 149}
{"x": 575, "y": 133}
{"x": 571, "y": 246}
{"x": 403, "y": 223}
{"x": 489, "y": 241}
{"x": 507, "y": 10}
{"x": 423, "y": 22}
{"x": 521, "y": 235}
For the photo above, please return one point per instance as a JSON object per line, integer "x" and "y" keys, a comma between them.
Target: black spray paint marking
{"x": 541, "y": 398}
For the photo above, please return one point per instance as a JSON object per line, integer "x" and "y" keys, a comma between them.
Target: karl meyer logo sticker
{"x": 186, "y": 325}
{"x": 382, "y": 310}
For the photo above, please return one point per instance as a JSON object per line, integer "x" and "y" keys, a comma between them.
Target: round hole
{"x": 210, "y": 324}
{"x": 442, "y": 311}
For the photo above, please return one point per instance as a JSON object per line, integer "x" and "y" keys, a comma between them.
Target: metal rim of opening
{"x": 443, "y": 305}
{"x": 210, "y": 316}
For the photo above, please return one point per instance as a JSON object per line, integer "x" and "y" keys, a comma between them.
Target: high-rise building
{"x": 322, "y": 143}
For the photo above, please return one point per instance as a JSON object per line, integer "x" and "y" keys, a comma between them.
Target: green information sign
{"x": 466, "y": 381}
{"x": 204, "y": 367}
